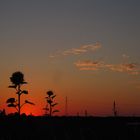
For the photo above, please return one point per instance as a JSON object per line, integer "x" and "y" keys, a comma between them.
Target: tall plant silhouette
{"x": 114, "y": 109}
{"x": 50, "y": 103}
{"x": 17, "y": 80}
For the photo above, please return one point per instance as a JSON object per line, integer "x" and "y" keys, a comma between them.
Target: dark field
{"x": 70, "y": 128}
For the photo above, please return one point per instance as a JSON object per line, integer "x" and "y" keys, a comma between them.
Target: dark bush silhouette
{"x": 50, "y": 104}
{"x": 2, "y": 113}
{"x": 17, "y": 80}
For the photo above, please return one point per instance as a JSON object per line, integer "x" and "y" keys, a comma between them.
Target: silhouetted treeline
{"x": 67, "y": 128}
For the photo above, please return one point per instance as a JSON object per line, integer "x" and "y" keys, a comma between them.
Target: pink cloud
{"x": 77, "y": 51}
{"x": 130, "y": 68}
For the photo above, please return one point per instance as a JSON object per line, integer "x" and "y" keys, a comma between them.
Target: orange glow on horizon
{"x": 99, "y": 103}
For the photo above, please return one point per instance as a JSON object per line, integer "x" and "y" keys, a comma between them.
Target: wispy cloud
{"x": 130, "y": 68}
{"x": 77, "y": 51}
{"x": 88, "y": 65}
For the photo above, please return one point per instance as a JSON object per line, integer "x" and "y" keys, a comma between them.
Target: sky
{"x": 85, "y": 50}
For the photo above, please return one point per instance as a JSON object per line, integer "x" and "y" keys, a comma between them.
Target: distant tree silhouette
{"x": 17, "y": 80}
{"x": 50, "y": 103}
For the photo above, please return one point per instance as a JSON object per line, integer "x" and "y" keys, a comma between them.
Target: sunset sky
{"x": 87, "y": 50}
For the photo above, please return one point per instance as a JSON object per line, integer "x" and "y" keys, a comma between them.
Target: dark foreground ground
{"x": 70, "y": 128}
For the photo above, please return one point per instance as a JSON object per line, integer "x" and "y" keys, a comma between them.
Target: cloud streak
{"x": 130, "y": 68}
{"x": 77, "y": 51}
{"x": 88, "y": 65}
